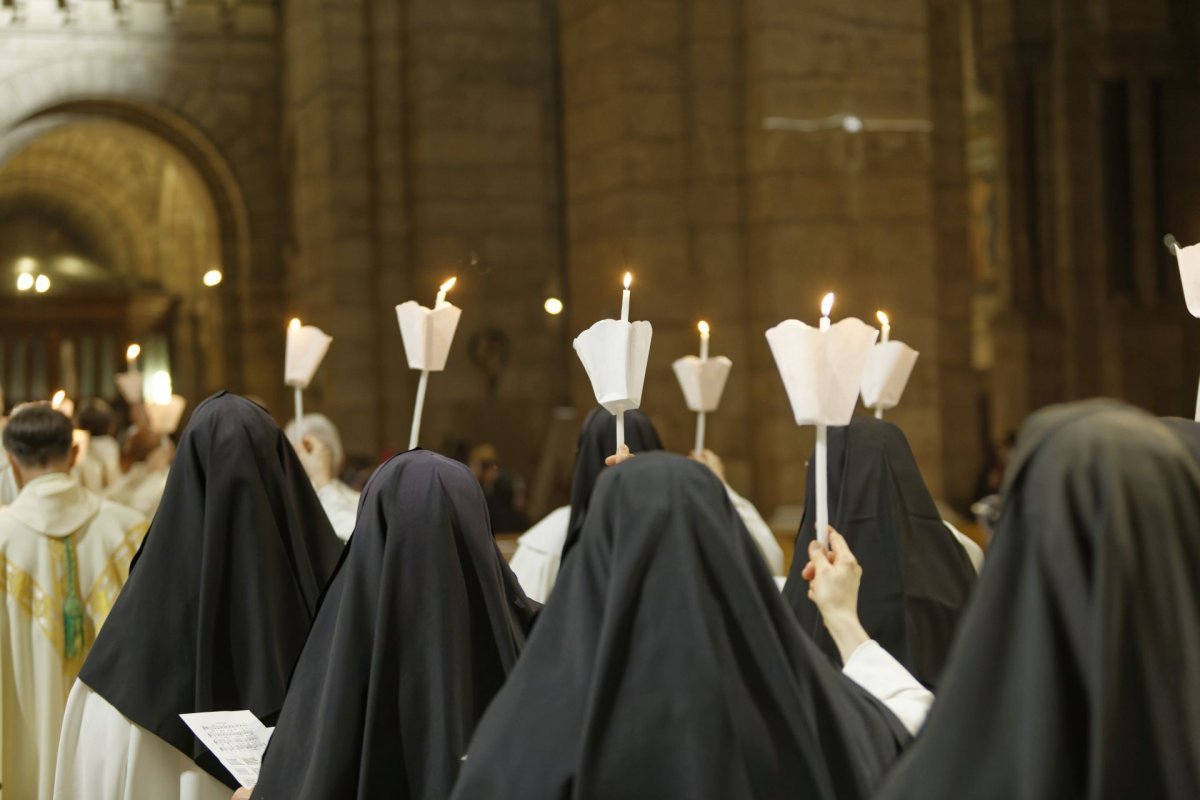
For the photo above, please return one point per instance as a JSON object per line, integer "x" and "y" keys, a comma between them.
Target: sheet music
{"x": 236, "y": 738}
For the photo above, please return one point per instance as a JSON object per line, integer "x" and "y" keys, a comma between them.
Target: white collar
{"x": 54, "y": 504}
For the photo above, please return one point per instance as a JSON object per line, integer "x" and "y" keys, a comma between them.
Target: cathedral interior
{"x": 998, "y": 175}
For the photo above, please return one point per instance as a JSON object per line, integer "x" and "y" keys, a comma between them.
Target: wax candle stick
{"x": 701, "y": 416}
{"x": 822, "y": 466}
{"x": 885, "y": 333}
{"x": 293, "y": 329}
{"x": 422, "y": 384}
{"x": 624, "y": 318}
{"x": 131, "y": 356}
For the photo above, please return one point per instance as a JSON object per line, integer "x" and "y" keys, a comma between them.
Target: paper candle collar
{"x": 888, "y": 369}
{"x": 1189, "y": 272}
{"x": 702, "y": 382}
{"x": 615, "y": 354}
{"x": 822, "y": 370}
{"x": 306, "y": 348}
{"x": 427, "y": 333}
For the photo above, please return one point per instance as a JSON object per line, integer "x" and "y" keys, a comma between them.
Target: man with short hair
{"x": 100, "y": 467}
{"x": 64, "y": 556}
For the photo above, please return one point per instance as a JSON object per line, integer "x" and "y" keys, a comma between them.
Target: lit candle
{"x": 294, "y": 328}
{"x": 57, "y": 400}
{"x": 131, "y": 356}
{"x": 701, "y": 417}
{"x": 625, "y": 297}
{"x": 441, "y": 295}
{"x": 822, "y": 467}
{"x": 885, "y": 333}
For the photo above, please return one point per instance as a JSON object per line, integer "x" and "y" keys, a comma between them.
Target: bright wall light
{"x": 41, "y": 284}
{"x": 213, "y": 277}
{"x": 553, "y": 306}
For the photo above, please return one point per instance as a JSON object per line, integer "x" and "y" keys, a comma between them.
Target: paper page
{"x": 887, "y": 373}
{"x": 1189, "y": 272}
{"x": 236, "y": 738}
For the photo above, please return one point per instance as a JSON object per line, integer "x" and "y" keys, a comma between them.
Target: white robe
{"x": 974, "y": 551}
{"x": 104, "y": 756}
{"x": 140, "y": 488}
{"x": 54, "y": 528}
{"x": 101, "y": 467}
{"x": 874, "y": 669}
{"x": 539, "y": 549}
{"x": 341, "y": 506}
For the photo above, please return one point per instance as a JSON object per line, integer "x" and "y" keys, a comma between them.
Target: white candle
{"x": 131, "y": 356}
{"x": 294, "y": 328}
{"x": 625, "y": 297}
{"x": 822, "y": 466}
{"x": 441, "y": 295}
{"x": 701, "y": 417}
{"x": 885, "y": 333}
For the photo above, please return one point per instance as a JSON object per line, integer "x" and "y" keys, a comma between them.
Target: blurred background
{"x": 995, "y": 174}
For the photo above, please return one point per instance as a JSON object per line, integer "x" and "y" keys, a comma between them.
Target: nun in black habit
{"x": 542, "y": 548}
{"x": 1074, "y": 674}
{"x": 916, "y": 576}
{"x": 668, "y": 666}
{"x": 219, "y": 601}
{"x": 416, "y": 633}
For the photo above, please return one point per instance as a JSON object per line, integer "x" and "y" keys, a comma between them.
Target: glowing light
{"x": 827, "y": 304}
{"x": 628, "y": 279}
{"x": 852, "y": 124}
{"x": 882, "y": 317}
{"x": 703, "y": 328}
{"x": 132, "y": 352}
{"x": 24, "y": 282}
{"x": 448, "y": 285}
{"x": 41, "y": 284}
{"x": 553, "y": 306}
{"x": 160, "y": 388}
{"x": 57, "y": 400}
{"x": 294, "y": 324}
{"x": 212, "y": 277}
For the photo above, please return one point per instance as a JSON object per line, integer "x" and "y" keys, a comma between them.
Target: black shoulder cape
{"x": 916, "y": 577}
{"x": 417, "y": 631}
{"x": 223, "y": 590}
{"x": 669, "y": 667}
{"x": 598, "y": 441}
{"x": 1074, "y": 674}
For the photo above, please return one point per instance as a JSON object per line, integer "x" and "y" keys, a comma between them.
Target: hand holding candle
{"x": 822, "y": 371}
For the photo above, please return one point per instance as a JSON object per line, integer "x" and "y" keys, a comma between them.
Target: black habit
{"x": 598, "y": 441}
{"x": 1074, "y": 674}
{"x": 916, "y": 576}
{"x": 417, "y": 632}
{"x": 223, "y": 590}
{"x": 668, "y": 666}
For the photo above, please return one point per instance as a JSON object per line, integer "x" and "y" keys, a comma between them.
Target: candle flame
{"x": 703, "y": 327}
{"x": 294, "y": 324}
{"x": 59, "y": 397}
{"x": 628, "y": 279}
{"x": 133, "y": 351}
{"x": 882, "y": 317}
{"x": 827, "y": 305}
{"x": 448, "y": 285}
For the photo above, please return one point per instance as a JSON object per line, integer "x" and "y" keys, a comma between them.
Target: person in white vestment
{"x": 324, "y": 458}
{"x": 66, "y": 555}
{"x": 834, "y": 576}
{"x": 146, "y": 458}
{"x": 100, "y": 466}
